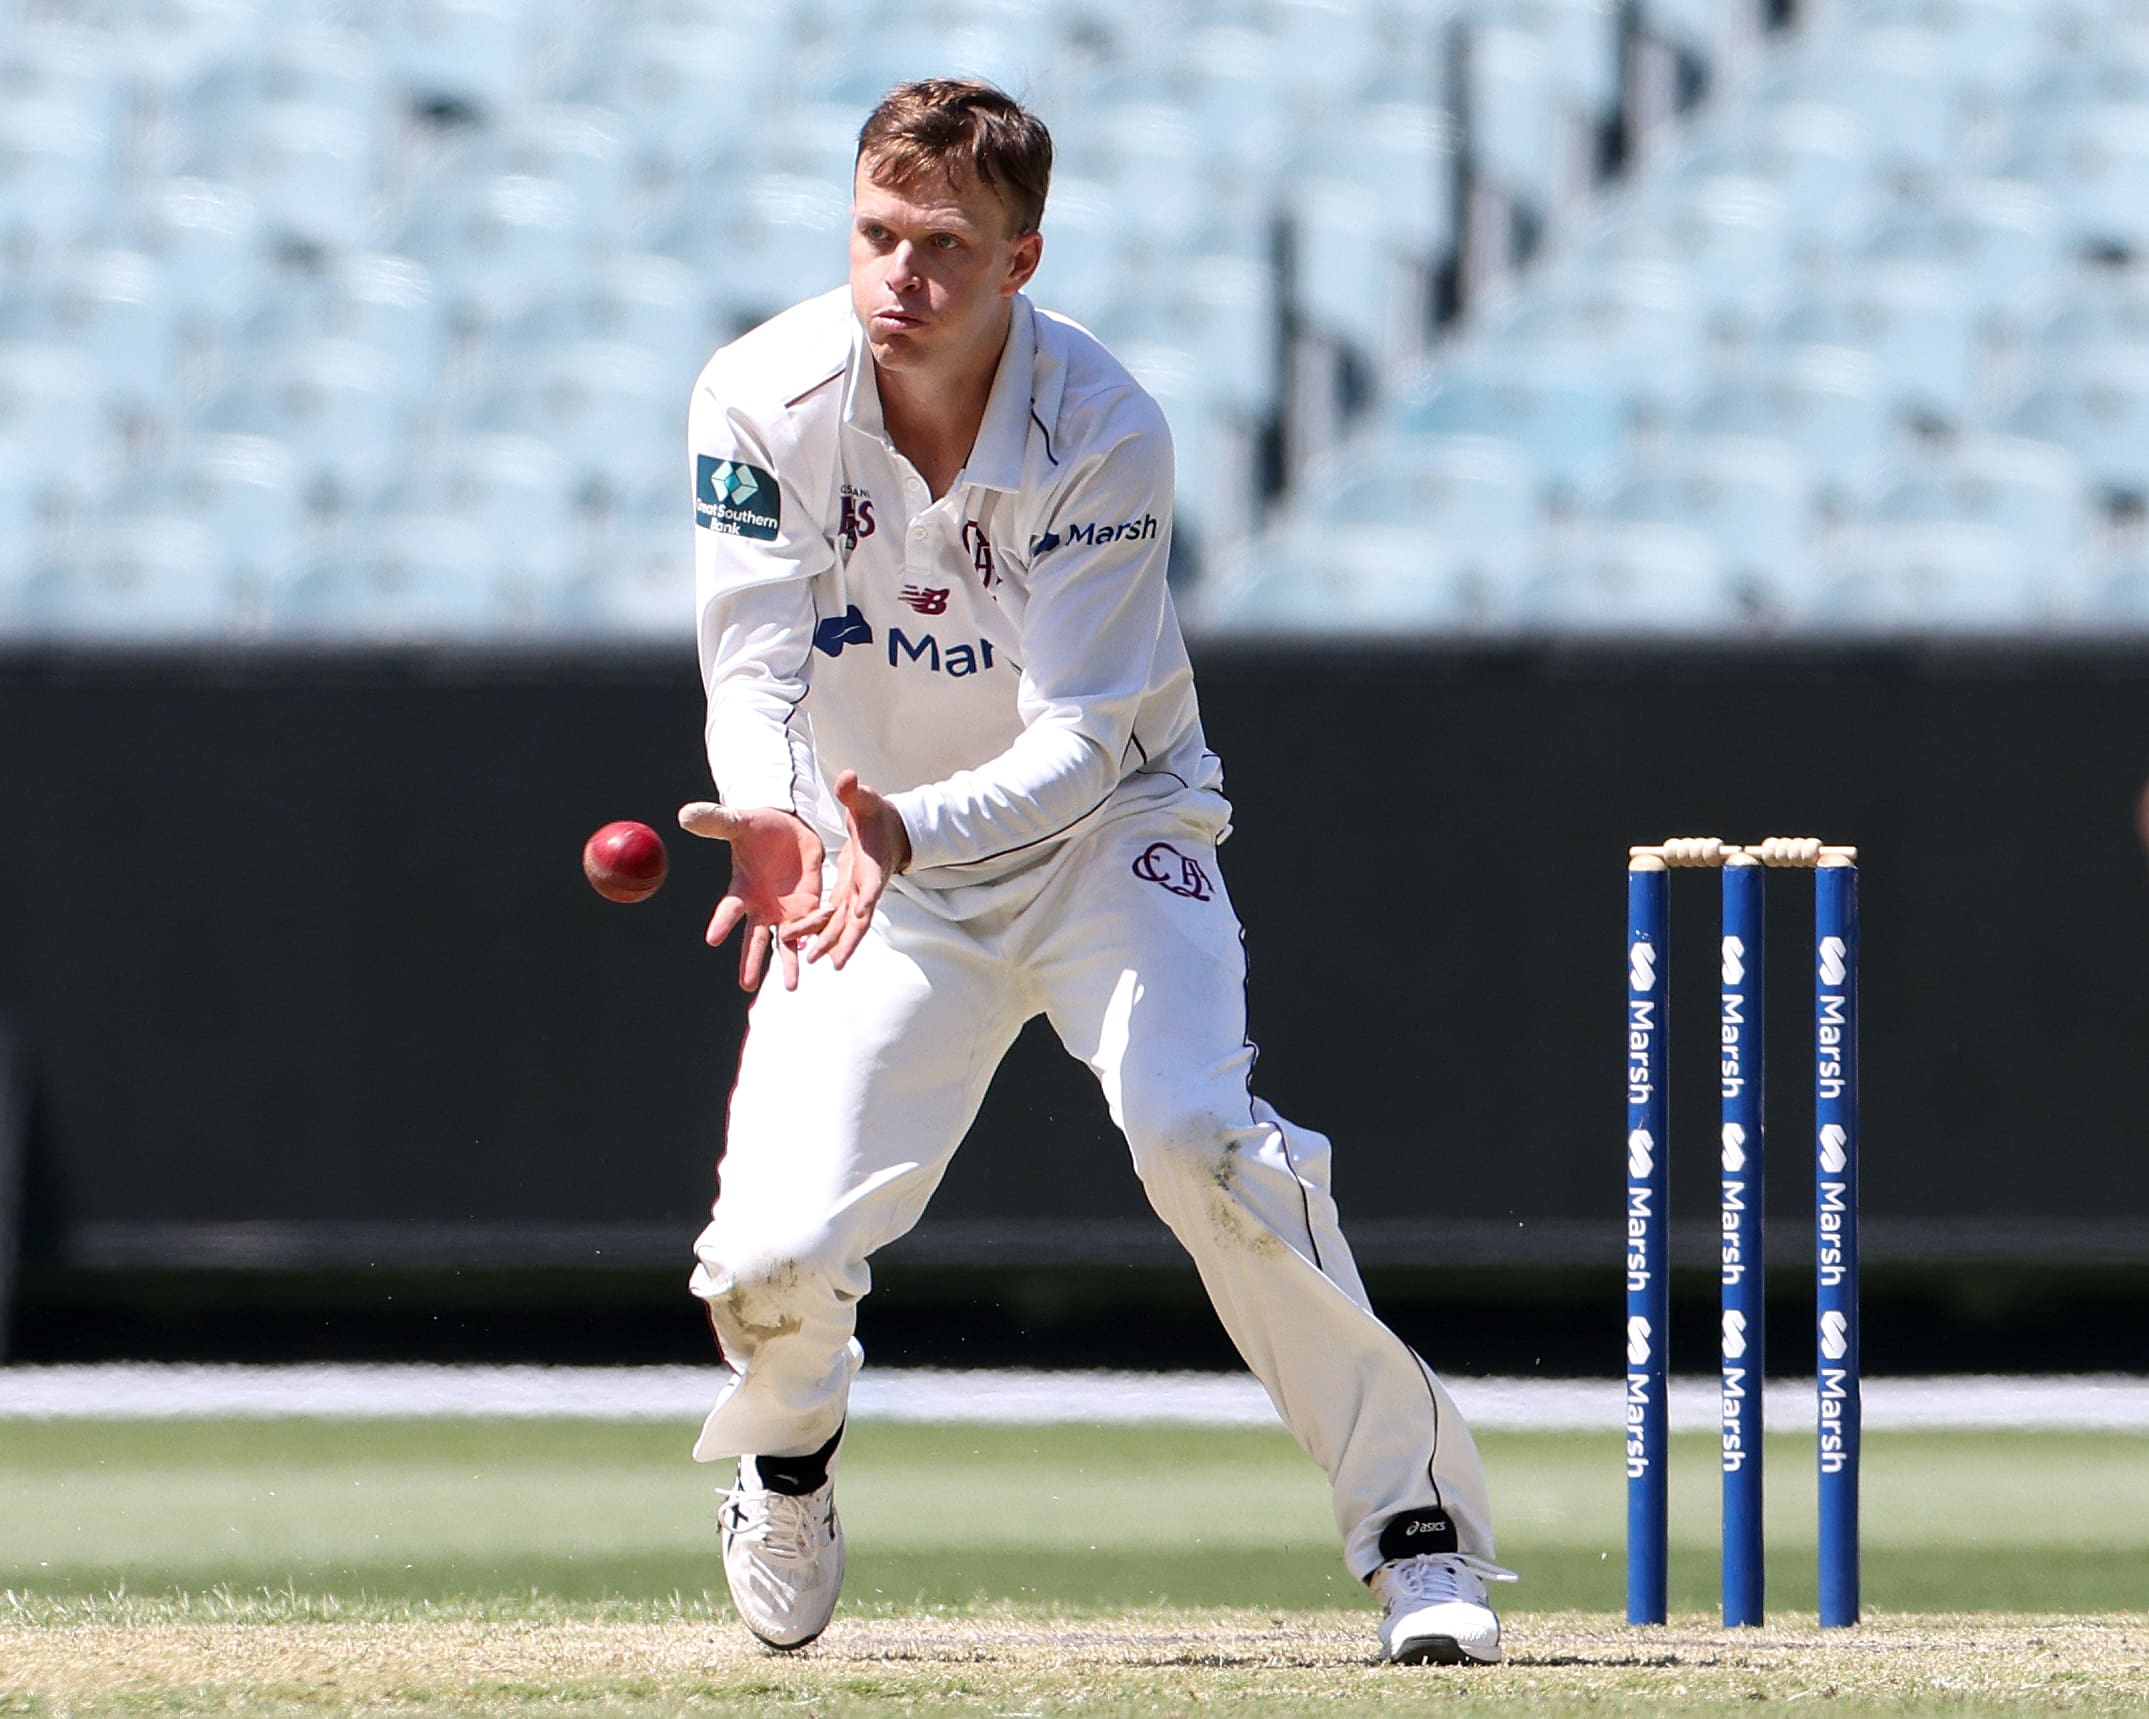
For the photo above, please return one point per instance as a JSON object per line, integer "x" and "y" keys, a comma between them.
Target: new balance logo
{"x": 925, "y": 600}
{"x": 1642, "y": 967}
{"x": 1835, "y": 955}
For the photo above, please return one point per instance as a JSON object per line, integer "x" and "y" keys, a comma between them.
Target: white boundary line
{"x": 135, "y": 1391}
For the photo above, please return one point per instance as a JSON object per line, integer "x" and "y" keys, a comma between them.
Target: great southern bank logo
{"x": 735, "y": 499}
{"x": 1642, "y": 967}
{"x": 1834, "y": 956}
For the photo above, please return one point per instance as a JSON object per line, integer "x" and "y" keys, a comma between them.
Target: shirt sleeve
{"x": 757, "y": 549}
{"x": 1096, "y": 606}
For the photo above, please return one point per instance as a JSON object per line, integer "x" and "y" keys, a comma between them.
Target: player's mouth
{"x": 896, "y": 321}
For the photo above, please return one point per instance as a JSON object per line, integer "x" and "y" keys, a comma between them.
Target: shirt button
{"x": 918, "y": 533}
{"x": 914, "y": 484}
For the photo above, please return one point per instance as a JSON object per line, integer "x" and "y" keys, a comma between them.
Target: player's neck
{"x": 932, "y": 415}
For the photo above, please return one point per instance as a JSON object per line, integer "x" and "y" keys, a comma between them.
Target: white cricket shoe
{"x": 1434, "y": 1609}
{"x": 783, "y": 1556}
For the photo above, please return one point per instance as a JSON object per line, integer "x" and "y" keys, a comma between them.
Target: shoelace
{"x": 1447, "y": 1576}
{"x": 783, "y": 1524}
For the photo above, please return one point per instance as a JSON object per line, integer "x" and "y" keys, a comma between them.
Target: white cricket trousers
{"x": 855, "y": 1089}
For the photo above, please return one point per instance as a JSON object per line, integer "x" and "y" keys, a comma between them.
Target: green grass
{"x": 508, "y": 1569}
{"x": 1086, "y": 1520}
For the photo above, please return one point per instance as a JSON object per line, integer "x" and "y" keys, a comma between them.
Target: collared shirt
{"x": 1003, "y": 662}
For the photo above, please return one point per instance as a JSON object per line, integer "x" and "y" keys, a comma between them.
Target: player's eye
{"x": 945, "y": 241}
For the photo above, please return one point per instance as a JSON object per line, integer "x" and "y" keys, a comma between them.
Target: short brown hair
{"x": 962, "y": 127}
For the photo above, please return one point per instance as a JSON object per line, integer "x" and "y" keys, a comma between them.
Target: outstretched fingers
{"x": 753, "y": 957}
{"x": 725, "y": 920}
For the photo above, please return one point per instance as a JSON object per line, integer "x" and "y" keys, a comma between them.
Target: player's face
{"x": 933, "y": 265}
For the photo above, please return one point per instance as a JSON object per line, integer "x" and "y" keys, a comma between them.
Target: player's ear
{"x": 1023, "y": 257}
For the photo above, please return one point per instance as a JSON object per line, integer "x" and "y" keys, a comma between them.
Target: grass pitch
{"x": 486, "y": 1568}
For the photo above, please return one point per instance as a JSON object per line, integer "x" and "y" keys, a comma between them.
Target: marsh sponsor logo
{"x": 1734, "y": 1147}
{"x": 735, "y": 499}
{"x": 958, "y": 659}
{"x": 1638, "y": 1453}
{"x": 1734, "y": 1335}
{"x": 1638, "y": 1334}
{"x": 1835, "y": 1334}
{"x": 1641, "y": 1234}
{"x": 1730, "y": 1064}
{"x": 1734, "y": 1401}
{"x": 1641, "y": 1153}
{"x": 1734, "y": 963}
{"x": 1832, "y": 1216}
{"x": 1838, "y": 1410}
{"x": 1142, "y": 530}
{"x": 1835, "y": 955}
{"x": 836, "y": 632}
{"x": 1642, "y": 967}
{"x": 1835, "y": 1152}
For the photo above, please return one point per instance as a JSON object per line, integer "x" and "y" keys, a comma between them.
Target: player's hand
{"x": 775, "y": 878}
{"x": 878, "y": 847}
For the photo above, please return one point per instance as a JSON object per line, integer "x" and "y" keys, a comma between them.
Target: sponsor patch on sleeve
{"x": 736, "y": 499}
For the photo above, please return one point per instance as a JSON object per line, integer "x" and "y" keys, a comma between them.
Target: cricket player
{"x": 952, "y": 724}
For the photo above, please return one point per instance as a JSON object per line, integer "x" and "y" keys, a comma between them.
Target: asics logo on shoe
{"x": 1417, "y": 1532}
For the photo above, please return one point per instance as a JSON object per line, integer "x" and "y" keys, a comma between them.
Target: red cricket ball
{"x": 625, "y": 861}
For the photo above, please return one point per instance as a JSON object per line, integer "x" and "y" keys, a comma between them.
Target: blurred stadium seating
{"x": 1701, "y": 316}
{"x": 1862, "y": 350}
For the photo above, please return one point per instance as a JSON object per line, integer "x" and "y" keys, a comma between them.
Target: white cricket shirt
{"x": 1005, "y": 662}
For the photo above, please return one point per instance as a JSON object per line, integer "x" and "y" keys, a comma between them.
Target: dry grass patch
{"x": 123, "y": 1656}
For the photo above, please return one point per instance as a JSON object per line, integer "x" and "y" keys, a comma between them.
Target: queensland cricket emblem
{"x": 974, "y": 540}
{"x": 1161, "y": 863}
